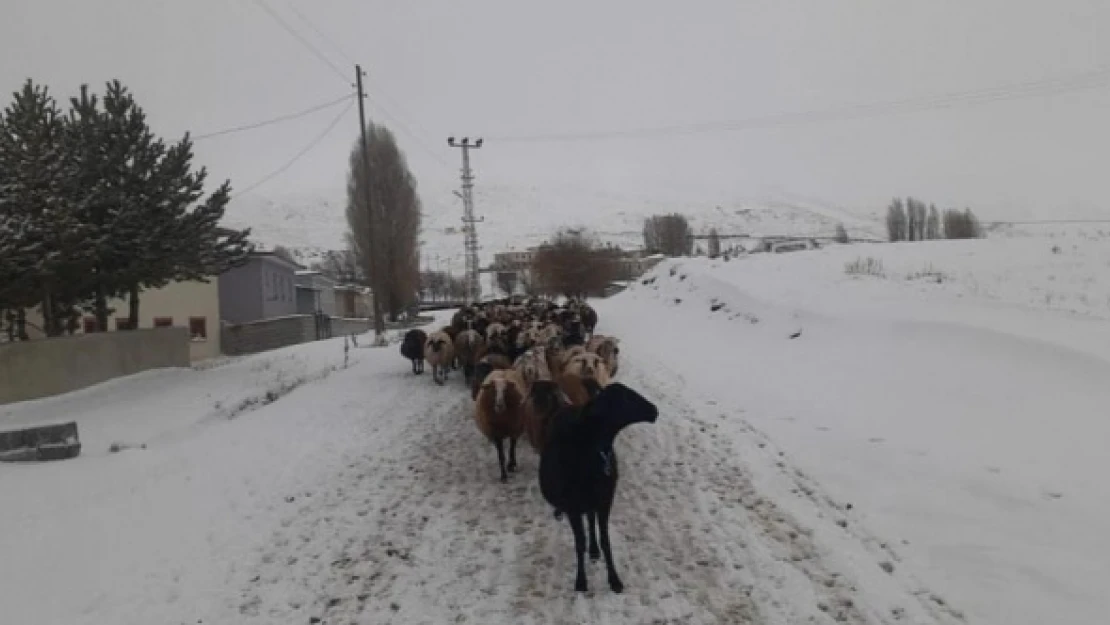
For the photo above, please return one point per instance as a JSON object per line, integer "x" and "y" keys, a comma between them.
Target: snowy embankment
{"x": 957, "y": 402}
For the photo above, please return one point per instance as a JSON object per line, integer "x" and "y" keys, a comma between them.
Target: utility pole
{"x": 371, "y": 248}
{"x": 470, "y": 231}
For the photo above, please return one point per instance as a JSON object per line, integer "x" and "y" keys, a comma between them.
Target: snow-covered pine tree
{"x": 43, "y": 259}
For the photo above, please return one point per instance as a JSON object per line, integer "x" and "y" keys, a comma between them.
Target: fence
{"x": 44, "y": 367}
{"x": 267, "y": 334}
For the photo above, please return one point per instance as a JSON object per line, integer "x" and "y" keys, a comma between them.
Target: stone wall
{"x": 44, "y": 367}
{"x": 260, "y": 336}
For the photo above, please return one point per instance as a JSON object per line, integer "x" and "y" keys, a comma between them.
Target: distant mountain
{"x": 516, "y": 217}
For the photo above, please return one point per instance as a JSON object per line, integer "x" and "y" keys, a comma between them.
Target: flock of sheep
{"x": 536, "y": 369}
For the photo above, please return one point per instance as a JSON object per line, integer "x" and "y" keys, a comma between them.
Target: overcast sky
{"x": 501, "y": 68}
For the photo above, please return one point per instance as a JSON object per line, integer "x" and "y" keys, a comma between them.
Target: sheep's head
{"x": 590, "y": 366}
{"x": 620, "y": 406}
{"x": 528, "y": 366}
{"x": 504, "y": 387}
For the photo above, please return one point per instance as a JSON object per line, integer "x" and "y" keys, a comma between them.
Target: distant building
{"x": 315, "y": 293}
{"x": 353, "y": 302}
{"x": 263, "y": 288}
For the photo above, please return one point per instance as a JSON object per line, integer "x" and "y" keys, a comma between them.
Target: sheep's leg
{"x": 591, "y": 522}
{"x": 615, "y": 583}
{"x": 579, "y": 550}
{"x": 512, "y": 455}
{"x": 501, "y": 459}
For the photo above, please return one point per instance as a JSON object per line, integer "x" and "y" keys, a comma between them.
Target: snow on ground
{"x": 368, "y": 496}
{"x": 964, "y": 419}
{"x": 918, "y": 454}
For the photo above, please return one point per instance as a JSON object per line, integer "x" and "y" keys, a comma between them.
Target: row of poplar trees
{"x": 94, "y": 206}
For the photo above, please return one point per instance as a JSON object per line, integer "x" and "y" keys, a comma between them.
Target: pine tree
{"x": 142, "y": 198}
{"x": 714, "y": 243}
{"x": 42, "y": 240}
{"x": 841, "y": 235}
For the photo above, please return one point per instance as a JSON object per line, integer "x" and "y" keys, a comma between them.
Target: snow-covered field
{"x": 923, "y": 452}
{"x": 964, "y": 419}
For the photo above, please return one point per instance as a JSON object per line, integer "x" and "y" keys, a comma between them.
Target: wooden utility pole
{"x": 371, "y": 248}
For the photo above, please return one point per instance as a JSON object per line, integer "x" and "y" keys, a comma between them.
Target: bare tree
{"x": 574, "y": 265}
{"x": 896, "y": 221}
{"x": 339, "y": 265}
{"x": 961, "y": 225}
{"x": 285, "y": 253}
{"x": 668, "y": 234}
{"x": 714, "y": 243}
{"x": 932, "y": 224}
{"x": 394, "y": 220}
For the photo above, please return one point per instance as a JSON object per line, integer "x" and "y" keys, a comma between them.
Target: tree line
{"x": 94, "y": 206}
{"x": 911, "y": 220}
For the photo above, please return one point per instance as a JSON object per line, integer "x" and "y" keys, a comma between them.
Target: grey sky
{"x": 506, "y": 67}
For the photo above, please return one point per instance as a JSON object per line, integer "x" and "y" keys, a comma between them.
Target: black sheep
{"x": 578, "y": 468}
{"x": 412, "y": 347}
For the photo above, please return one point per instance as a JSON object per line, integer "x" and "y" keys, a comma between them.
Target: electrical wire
{"x": 275, "y": 120}
{"x": 338, "y": 48}
{"x": 1087, "y": 80}
{"x": 298, "y": 156}
{"x": 412, "y": 135}
{"x": 311, "y": 48}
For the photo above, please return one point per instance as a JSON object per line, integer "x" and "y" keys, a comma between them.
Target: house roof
{"x": 270, "y": 255}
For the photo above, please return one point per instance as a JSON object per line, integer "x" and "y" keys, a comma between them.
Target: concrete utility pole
{"x": 470, "y": 232}
{"x": 371, "y": 248}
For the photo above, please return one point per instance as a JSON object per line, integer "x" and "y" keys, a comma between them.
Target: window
{"x": 89, "y": 324}
{"x": 198, "y": 328}
{"x": 123, "y": 323}
{"x": 163, "y": 322}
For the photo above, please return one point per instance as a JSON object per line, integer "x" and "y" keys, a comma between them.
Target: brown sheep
{"x": 439, "y": 351}
{"x": 469, "y": 347}
{"x": 528, "y": 365}
{"x": 588, "y": 365}
{"x": 487, "y": 364}
{"x": 499, "y": 413}
{"x": 608, "y": 347}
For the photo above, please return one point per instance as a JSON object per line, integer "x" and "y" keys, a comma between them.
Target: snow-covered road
{"x": 414, "y": 527}
{"x": 369, "y": 496}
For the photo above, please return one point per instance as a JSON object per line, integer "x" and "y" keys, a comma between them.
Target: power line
{"x": 299, "y": 155}
{"x": 319, "y": 33}
{"x": 289, "y": 29}
{"x": 412, "y": 135}
{"x": 275, "y": 120}
{"x": 1051, "y": 86}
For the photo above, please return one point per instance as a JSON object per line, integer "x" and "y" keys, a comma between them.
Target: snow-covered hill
{"x": 518, "y": 216}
